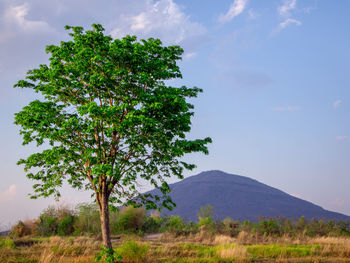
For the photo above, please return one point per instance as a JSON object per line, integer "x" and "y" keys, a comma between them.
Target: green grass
{"x": 7, "y": 243}
{"x": 284, "y": 251}
{"x": 201, "y": 250}
{"x": 132, "y": 251}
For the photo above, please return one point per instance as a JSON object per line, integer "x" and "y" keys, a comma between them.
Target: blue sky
{"x": 275, "y": 76}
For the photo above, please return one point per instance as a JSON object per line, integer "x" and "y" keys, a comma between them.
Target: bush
{"x": 152, "y": 224}
{"x": 65, "y": 226}
{"x": 20, "y": 230}
{"x": 175, "y": 224}
{"x": 87, "y": 219}
{"x": 130, "y": 219}
{"x": 7, "y": 243}
{"x": 132, "y": 251}
{"x": 47, "y": 225}
{"x": 271, "y": 226}
{"x": 205, "y": 216}
{"x": 51, "y": 218}
{"x": 206, "y": 222}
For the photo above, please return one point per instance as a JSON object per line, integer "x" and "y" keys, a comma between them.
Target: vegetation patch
{"x": 282, "y": 251}
{"x": 132, "y": 251}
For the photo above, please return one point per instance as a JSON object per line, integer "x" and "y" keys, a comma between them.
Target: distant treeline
{"x": 85, "y": 220}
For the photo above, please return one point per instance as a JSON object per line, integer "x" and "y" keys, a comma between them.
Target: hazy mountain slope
{"x": 240, "y": 198}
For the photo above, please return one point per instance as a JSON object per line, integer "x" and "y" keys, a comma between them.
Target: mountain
{"x": 240, "y": 198}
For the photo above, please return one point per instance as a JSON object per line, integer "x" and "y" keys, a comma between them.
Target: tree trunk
{"x": 104, "y": 216}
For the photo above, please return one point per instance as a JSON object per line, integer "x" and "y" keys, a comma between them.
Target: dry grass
{"x": 193, "y": 248}
{"x": 233, "y": 252}
{"x": 221, "y": 240}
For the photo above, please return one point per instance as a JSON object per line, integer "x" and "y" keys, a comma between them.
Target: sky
{"x": 275, "y": 76}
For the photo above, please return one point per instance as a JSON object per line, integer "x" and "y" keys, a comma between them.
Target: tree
{"x": 107, "y": 120}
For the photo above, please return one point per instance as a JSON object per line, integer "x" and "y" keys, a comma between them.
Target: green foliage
{"x": 107, "y": 120}
{"x": 56, "y": 220}
{"x": 130, "y": 219}
{"x": 206, "y": 222}
{"x": 274, "y": 251}
{"x": 153, "y": 224}
{"x": 175, "y": 224}
{"x": 7, "y": 243}
{"x": 107, "y": 117}
{"x": 201, "y": 250}
{"x": 301, "y": 224}
{"x": 131, "y": 251}
{"x": 87, "y": 219}
{"x": 206, "y": 211}
{"x": 107, "y": 255}
{"x": 65, "y": 226}
{"x": 270, "y": 227}
{"x": 48, "y": 225}
{"x": 20, "y": 230}
{"x": 205, "y": 216}
{"x": 230, "y": 226}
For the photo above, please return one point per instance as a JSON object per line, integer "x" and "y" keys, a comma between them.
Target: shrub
{"x": 47, "y": 225}
{"x": 87, "y": 219}
{"x": 50, "y": 219}
{"x": 205, "y": 216}
{"x": 65, "y": 226}
{"x": 174, "y": 224}
{"x": 130, "y": 219}
{"x": 20, "y": 229}
{"x": 301, "y": 224}
{"x": 206, "y": 222}
{"x": 152, "y": 224}
{"x": 7, "y": 243}
{"x": 230, "y": 226}
{"x": 271, "y": 226}
{"x": 205, "y": 211}
{"x": 132, "y": 251}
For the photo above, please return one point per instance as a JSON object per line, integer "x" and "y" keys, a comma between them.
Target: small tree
{"x": 108, "y": 120}
{"x": 205, "y": 216}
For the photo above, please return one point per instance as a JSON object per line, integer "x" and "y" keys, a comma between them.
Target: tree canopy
{"x": 107, "y": 119}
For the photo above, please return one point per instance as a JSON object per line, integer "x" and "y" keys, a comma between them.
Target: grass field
{"x": 195, "y": 248}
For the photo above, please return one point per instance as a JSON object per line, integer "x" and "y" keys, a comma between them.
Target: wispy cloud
{"x": 285, "y": 12}
{"x": 235, "y": 9}
{"x": 252, "y": 14}
{"x": 287, "y": 108}
{"x": 287, "y": 6}
{"x": 8, "y": 194}
{"x": 342, "y": 138}
{"x": 289, "y": 21}
{"x": 163, "y": 19}
{"x": 14, "y": 20}
{"x": 336, "y": 104}
{"x": 189, "y": 55}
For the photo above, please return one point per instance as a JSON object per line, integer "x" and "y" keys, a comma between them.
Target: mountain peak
{"x": 240, "y": 197}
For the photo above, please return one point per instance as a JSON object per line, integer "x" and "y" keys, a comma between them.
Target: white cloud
{"x": 163, "y": 19}
{"x": 289, "y": 21}
{"x": 287, "y": 6}
{"x": 14, "y": 22}
{"x": 287, "y": 108}
{"x": 252, "y": 15}
{"x": 235, "y": 9}
{"x": 9, "y": 193}
{"x": 284, "y": 11}
{"x": 189, "y": 55}
{"x": 342, "y": 138}
{"x": 17, "y": 14}
{"x": 336, "y": 103}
